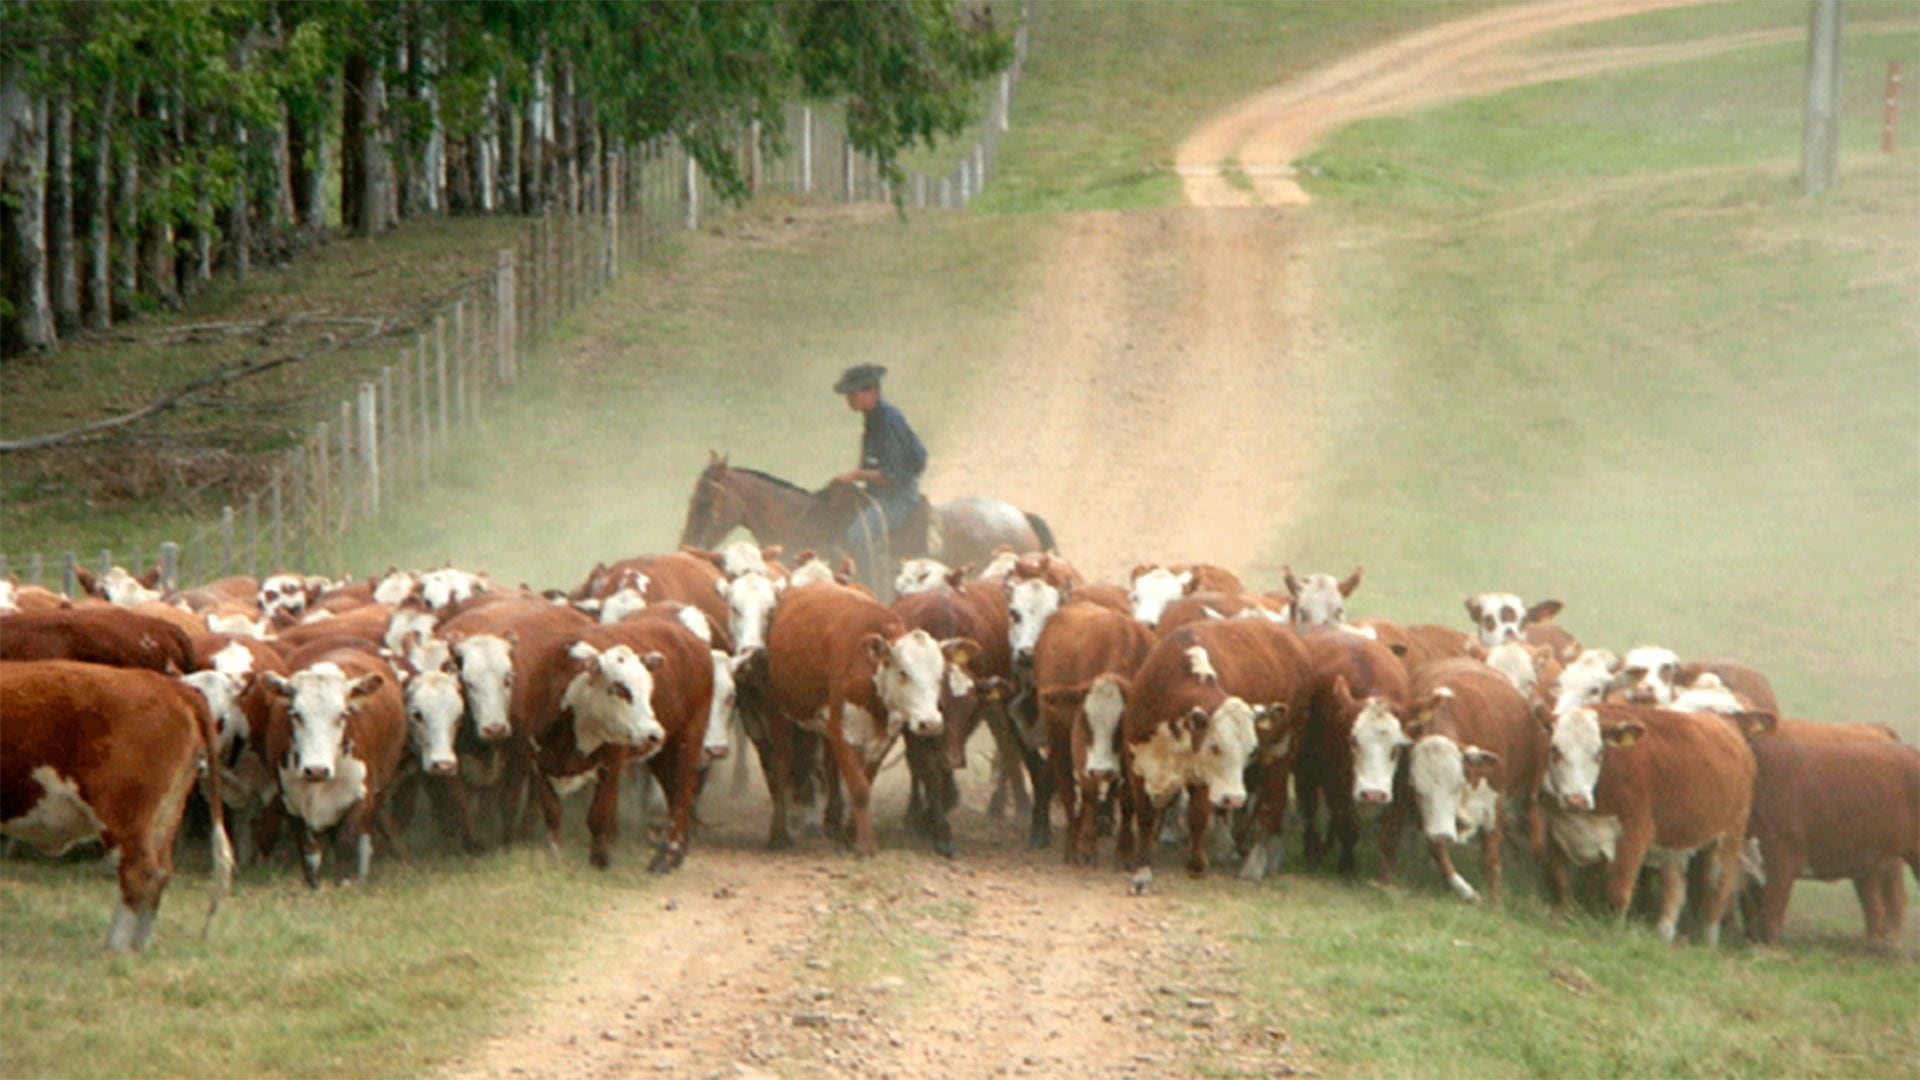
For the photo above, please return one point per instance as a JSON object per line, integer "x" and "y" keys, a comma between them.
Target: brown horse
{"x": 775, "y": 511}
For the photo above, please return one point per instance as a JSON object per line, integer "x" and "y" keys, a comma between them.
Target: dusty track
{"x": 1174, "y": 348}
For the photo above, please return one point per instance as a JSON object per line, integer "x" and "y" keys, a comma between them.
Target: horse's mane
{"x": 771, "y": 479}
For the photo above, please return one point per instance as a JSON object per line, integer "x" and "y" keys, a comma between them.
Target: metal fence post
{"x": 72, "y": 580}
{"x": 279, "y": 531}
{"x": 253, "y": 534}
{"x": 36, "y": 572}
{"x": 346, "y": 465}
{"x": 170, "y": 565}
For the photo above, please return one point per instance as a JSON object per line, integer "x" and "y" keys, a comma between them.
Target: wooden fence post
{"x": 346, "y": 466}
{"x": 226, "y": 541}
{"x": 36, "y": 572}
{"x": 169, "y": 565}
{"x": 423, "y": 413}
{"x": 253, "y": 534}
{"x": 72, "y": 580}
{"x": 301, "y": 522}
{"x": 693, "y": 194}
{"x": 389, "y": 446}
{"x": 279, "y": 529}
{"x": 322, "y": 483}
{"x": 370, "y": 444}
{"x": 503, "y": 316}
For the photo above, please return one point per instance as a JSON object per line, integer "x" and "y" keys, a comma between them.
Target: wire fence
{"x": 386, "y": 441}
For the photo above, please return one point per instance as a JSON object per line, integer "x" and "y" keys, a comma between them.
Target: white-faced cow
{"x": 1320, "y": 599}
{"x": 1082, "y": 669}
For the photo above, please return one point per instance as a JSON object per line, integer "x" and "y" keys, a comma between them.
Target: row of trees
{"x": 146, "y": 145}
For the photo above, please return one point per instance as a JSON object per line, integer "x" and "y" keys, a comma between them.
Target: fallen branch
{"x": 377, "y": 326}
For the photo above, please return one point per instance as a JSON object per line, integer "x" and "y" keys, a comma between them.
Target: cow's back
{"x": 97, "y": 634}
{"x": 125, "y": 738}
{"x": 1846, "y": 806}
{"x": 1490, "y": 714}
{"x": 1693, "y": 772}
{"x": 816, "y": 639}
{"x": 1080, "y": 643}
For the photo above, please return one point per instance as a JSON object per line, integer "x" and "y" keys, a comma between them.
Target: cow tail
{"x": 1045, "y": 533}
{"x": 220, "y": 846}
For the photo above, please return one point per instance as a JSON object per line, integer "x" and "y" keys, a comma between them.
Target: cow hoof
{"x": 1039, "y": 841}
{"x": 944, "y": 846}
{"x": 600, "y": 860}
{"x": 1140, "y": 883}
{"x": 663, "y": 863}
{"x": 779, "y": 842}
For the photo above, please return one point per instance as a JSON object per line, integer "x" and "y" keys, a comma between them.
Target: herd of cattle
{"x": 326, "y": 707}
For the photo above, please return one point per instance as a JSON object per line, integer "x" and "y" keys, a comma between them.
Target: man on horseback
{"x": 891, "y": 461}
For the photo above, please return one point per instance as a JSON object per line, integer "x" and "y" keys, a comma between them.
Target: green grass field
{"x": 1590, "y": 344}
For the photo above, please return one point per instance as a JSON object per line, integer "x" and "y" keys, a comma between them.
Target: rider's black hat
{"x": 859, "y": 377}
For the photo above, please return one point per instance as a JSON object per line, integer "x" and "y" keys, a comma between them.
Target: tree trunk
{"x": 239, "y": 215}
{"x": 127, "y": 223}
{"x": 486, "y": 149}
{"x": 307, "y": 160}
{"x": 63, "y": 267}
{"x": 280, "y": 211}
{"x": 537, "y": 152}
{"x": 202, "y": 267}
{"x": 156, "y": 232}
{"x": 567, "y": 136}
{"x": 353, "y": 144}
{"x": 23, "y": 220}
{"x": 99, "y": 222}
{"x": 509, "y": 163}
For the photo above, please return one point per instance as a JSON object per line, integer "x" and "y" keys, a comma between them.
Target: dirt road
{"x": 1175, "y": 348}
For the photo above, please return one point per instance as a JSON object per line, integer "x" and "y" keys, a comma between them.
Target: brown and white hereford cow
{"x": 1212, "y": 703}
{"x": 335, "y": 739}
{"x": 1476, "y": 752}
{"x": 223, "y": 591}
{"x": 121, "y": 588}
{"x": 1628, "y": 785}
{"x": 1082, "y": 667}
{"x": 93, "y": 752}
{"x": 1353, "y": 675}
{"x": 97, "y": 635}
{"x": 1151, "y": 587}
{"x": 841, "y": 665}
{"x": 637, "y": 691}
{"x": 1834, "y": 809}
{"x": 676, "y": 575}
{"x": 1654, "y": 675}
{"x": 1201, "y": 606}
{"x": 975, "y": 679}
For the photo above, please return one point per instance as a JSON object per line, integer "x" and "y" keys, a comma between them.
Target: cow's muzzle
{"x": 316, "y": 773}
{"x": 926, "y": 729}
{"x": 1229, "y": 802}
{"x": 443, "y": 766}
{"x": 1577, "y": 802}
{"x": 1373, "y": 796}
{"x": 496, "y": 732}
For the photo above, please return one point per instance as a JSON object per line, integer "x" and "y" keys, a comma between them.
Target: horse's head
{"x": 714, "y": 510}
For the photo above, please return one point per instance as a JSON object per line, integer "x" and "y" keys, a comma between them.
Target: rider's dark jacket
{"x": 889, "y": 446}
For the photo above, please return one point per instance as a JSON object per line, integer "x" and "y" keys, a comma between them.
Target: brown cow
{"x": 229, "y": 590}
{"x": 687, "y": 578}
{"x": 1211, "y": 704}
{"x": 89, "y": 751}
{"x": 1082, "y": 667}
{"x": 1352, "y": 673}
{"x": 1502, "y": 617}
{"x": 974, "y": 687}
{"x": 1834, "y": 809}
{"x": 1201, "y": 606}
{"x": 636, "y": 691}
{"x": 242, "y": 710}
{"x": 1476, "y": 751}
{"x": 97, "y": 635}
{"x": 119, "y": 587}
{"x": 1318, "y": 599}
{"x": 335, "y": 739}
{"x": 841, "y": 665}
{"x": 1418, "y": 644}
{"x": 367, "y": 622}
{"x": 1629, "y": 785}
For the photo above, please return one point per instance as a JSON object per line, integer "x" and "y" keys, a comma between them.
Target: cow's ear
{"x": 1473, "y": 610}
{"x": 1352, "y": 582}
{"x": 150, "y": 579}
{"x": 1476, "y": 758}
{"x": 1189, "y": 581}
{"x": 1476, "y": 651}
{"x": 1623, "y": 734}
{"x": 87, "y": 582}
{"x": 366, "y": 686}
{"x": 1293, "y": 583}
{"x": 1343, "y": 696}
{"x": 771, "y": 552}
{"x": 653, "y": 661}
{"x": 877, "y": 648}
{"x": 1544, "y": 611}
{"x": 960, "y": 652}
{"x": 1139, "y": 568}
{"x": 1065, "y": 697}
{"x": 1543, "y": 715}
{"x": 1754, "y": 722}
{"x": 277, "y": 684}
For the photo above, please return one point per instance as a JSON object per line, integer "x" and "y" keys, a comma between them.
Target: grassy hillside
{"x": 1601, "y": 349}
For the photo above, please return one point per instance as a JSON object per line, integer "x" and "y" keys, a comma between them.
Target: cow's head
{"x": 485, "y": 662}
{"x": 1709, "y": 694}
{"x": 718, "y": 742}
{"x": 9, "y": 592}
{"x": 1000, "y": 564}
{"x": 434, "y": 708}
{"x": 909, "y": 675}
{"x": 223, "y": 690}
{"x": 1153, "y": 588}
{"x": 394, "y": 587}
{"x": 409, "y": 628}
{"x": 447, "y": 586}
{"x": 319, "y": 700}
{"x": 1378, "y": 742}
{"x": 1441, "y": 771}
{"x": 1585, "y": 681}
{"x": 1031, "y": 601}
{"x": 750, "y": 601}
{"x": 630, "y": 597}
{"x": 1647, "y": 673}
{"x": 612, "y": 699}
{"x": 1100, "y": 704}
{"x": 1502, "y": 617}
{"x": 809, "y": 569}
{"x": 1224, "y": 745}
{"x": 239, "y": 623}
{"x": 746, "y": 557}
{"x": 1517, "y": 661}
{"x": 122, "y": 589}
{"x": 1577, "y": 743}
{"x": 918, "y": 575}
{"x": 1319, "y": 599}
{"x": 283, "y": 593}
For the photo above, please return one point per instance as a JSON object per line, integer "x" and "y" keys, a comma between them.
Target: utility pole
{"x": 1820, "y": 138}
